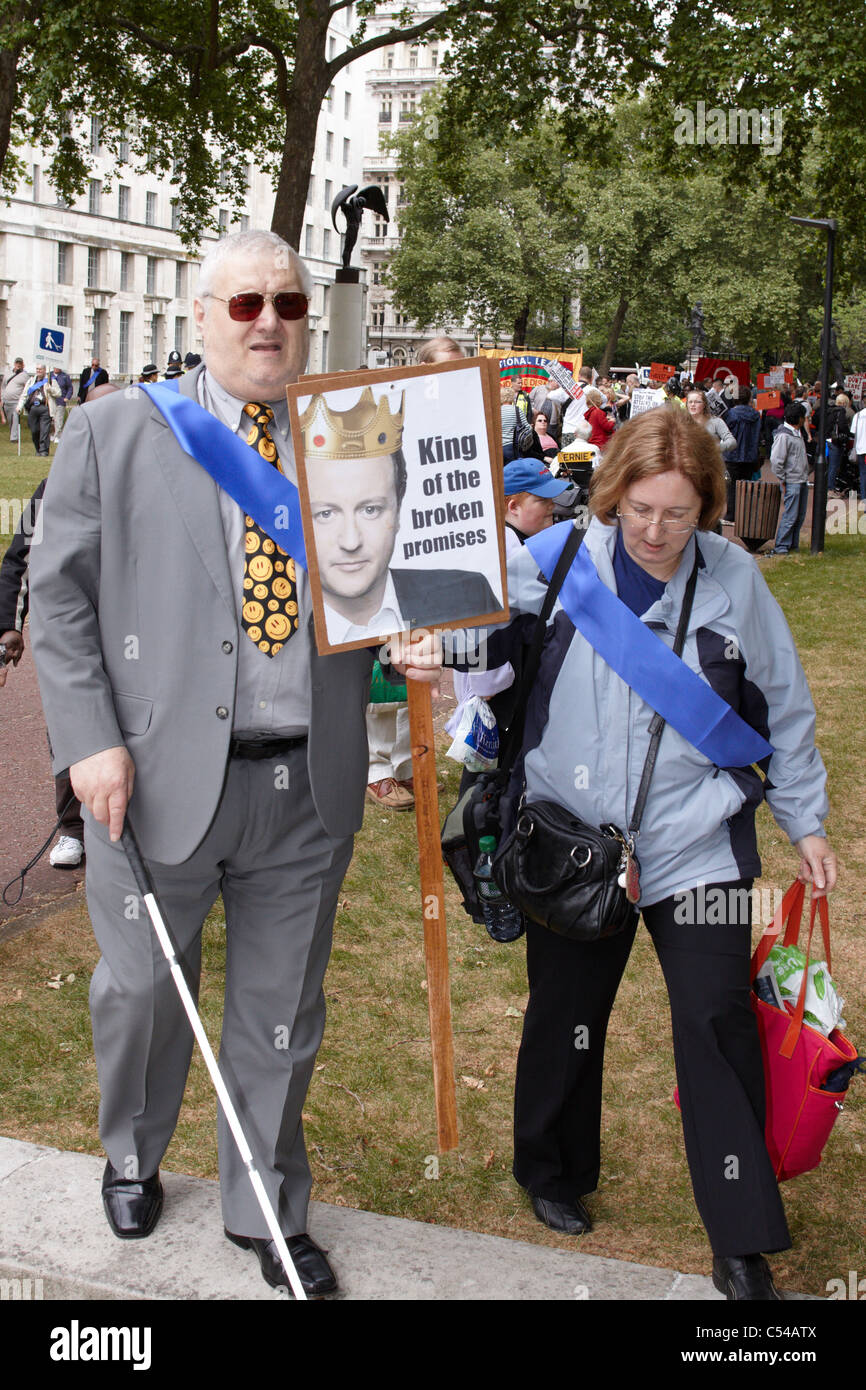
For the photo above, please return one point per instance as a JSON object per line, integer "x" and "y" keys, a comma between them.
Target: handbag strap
{"x": 792, "y": 1036}
{"x": 514, "y": 733}
{"x": 657, "y": 723}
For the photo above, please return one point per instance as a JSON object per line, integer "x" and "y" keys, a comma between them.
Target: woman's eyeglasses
{"x": 243, "y": 308}
{"x": 673, "y": 528}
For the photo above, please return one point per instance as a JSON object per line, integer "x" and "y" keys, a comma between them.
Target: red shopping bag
{"x": 797, "y": 1058}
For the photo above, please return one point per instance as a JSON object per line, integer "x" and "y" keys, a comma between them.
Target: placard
{"x": 401, "y": 491}
{"x": 661, "y": 371}
{"x": 768, "y": 400}
{"x": 642, "y": 400}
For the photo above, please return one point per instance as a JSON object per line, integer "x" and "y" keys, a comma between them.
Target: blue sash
{"x": 265, "y": 494}
{"x": 643, "y": 661}
{"x": 88, "y": 384}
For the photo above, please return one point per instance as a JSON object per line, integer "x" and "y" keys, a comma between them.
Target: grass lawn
{"x": 369, "y": 1114}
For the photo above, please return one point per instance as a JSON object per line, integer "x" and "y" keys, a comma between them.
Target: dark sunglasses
{"x": 243, "y": 308}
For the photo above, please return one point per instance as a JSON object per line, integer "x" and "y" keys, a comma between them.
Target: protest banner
{"x": 526, "y": 370}
{"x": 642, "y": 400}
{"x": 854, "y": 385}
{"x": 715, "y": 367}
{"x": 661, "y": 371}
{"x": 768, "y": 400}
{"x": 399, "y": 477}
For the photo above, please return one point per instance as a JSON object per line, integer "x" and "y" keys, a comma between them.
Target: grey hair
{"x": 252, "y": 243}
{"x": 439, "y": 350}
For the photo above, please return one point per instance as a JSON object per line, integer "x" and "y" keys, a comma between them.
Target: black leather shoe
{"x": 133, "y": 1206}
{"x": 313, "y": 1269}
{"x": 569, "y": 1218}
{"x": 744, "y": 1277}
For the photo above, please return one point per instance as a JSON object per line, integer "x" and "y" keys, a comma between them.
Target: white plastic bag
{"x": 476, "y": 738}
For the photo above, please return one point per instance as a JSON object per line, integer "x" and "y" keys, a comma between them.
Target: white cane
{"x": 146, "y": 888}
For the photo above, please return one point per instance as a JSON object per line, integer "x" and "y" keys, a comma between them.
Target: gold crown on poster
{"x": 366, "y": 430}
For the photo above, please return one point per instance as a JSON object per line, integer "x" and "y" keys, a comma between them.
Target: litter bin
{"x": 756, "y": 515}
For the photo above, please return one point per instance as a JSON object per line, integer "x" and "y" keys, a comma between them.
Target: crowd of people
{"x": 188, "y": 734}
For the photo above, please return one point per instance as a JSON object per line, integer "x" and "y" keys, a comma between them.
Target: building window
{"x": 407, "y": 106}
{"x": 346, "y": 148}
{"x": 413, "y": 56}
{"x": 379, "y": 316}
{"x": 126, "y": 270}
{"x": 401, "y": 320}
{"x": 223, "y": 222}
{"x": 310, "y": 191}
{"x": 325, "y": 351}
{"x": 64, "y": 263}
{"x": 332, "y": 47}
{"x": 248, "y": 177}
{"x": 151, "y": 275}
{"x": 326, "y": 293}
{"x": 380, "y": 228}
{"x": 35, "y": 181}
{"x": 98, "y": 332}
{"x": 123, "y": 150}
{"x": 329, "y": 98}
{"x": 92, "y": 267}
{"x": 95, "y": 134}
{"x": 376, "y": 270}
{"x": 124, "y": 343}
{"x": 180, "y": 335}
{"x": 434, "y": 57}
{"x": 180, "y": 279}
{"x": 401, "y": 197}
{"x": 123, "y": 202}
{"x": 150, "y": 210}
{"x": 64, "y": 316}
{"x": 223, "y": 180}
{"x": 175, "y": 215}
{"x": 389, "y": 58}
{"x": 245, "y": 224}
{"x": 326, "y": 243}
{"x": 308, "y": 239}
{"x": 385, "y": 109}
{"x": 94, "y": 196}
{"x": 329, "y": 144}
{"x": 328, "y": 194}
{"x": 347, "y": 105}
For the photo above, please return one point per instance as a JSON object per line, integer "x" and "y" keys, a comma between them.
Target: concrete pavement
{"x": 52, "y": 1229}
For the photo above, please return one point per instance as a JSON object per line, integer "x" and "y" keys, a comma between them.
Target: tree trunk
{"x": 9, "y": 84}
{"x": 520, "y": 326}
{"x": 613, "y": 337}
{"x": 310, "y": 82}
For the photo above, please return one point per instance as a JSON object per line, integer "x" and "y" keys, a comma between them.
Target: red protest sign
{"x": 768, "y": 400}
{"x": 660, "y": 371}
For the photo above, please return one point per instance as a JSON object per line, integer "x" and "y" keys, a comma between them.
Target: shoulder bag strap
{"x": 514, "y": 734}
{"x": 657, "y": 723}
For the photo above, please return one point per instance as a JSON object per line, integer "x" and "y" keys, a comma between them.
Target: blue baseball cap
{"x": 530, "y": 475}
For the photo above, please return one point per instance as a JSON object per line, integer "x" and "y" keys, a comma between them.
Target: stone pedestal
{"x": 346, "y": 339}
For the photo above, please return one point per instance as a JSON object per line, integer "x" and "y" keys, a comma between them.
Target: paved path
{"x": 52, "y": 1228}
{"x": 27, "y": 810}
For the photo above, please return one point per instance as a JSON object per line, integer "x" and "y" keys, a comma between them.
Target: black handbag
{"x": 479, "y": 810}
{"x": 579, "y": 880}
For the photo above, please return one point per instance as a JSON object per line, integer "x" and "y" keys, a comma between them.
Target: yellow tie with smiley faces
{"x": 270, "y": 611}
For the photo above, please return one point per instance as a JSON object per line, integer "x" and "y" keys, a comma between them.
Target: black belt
{"x": 260, "y": 748}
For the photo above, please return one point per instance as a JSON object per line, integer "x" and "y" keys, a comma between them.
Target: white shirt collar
{"x": 388, "y": 620}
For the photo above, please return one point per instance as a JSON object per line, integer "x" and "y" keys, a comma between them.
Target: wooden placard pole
{"x": 433, "y": 910}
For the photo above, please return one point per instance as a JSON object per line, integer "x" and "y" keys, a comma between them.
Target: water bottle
{"x": 504, "y": 922}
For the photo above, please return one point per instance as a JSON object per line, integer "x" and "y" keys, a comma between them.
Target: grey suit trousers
{"x": 279, "y": 873}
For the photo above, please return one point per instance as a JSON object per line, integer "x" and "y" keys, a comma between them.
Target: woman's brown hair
{"x": 660, "y": 441}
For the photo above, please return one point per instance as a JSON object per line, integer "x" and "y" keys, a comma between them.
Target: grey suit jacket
{"x": 135, "y": 631}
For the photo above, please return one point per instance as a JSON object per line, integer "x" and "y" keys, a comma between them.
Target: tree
{"x": 201, "y": 87}
{"x": 483, "y": 237}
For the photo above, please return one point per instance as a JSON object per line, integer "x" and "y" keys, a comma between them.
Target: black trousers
{"x": 703, "y": 942}
{"x": 39, "y": 420}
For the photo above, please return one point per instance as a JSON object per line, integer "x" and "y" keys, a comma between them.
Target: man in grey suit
{"x": 240, "y": 753}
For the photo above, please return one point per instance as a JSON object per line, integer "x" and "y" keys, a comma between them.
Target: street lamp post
{"x": 819, "y": 494}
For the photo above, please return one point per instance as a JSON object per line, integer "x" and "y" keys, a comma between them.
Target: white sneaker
{"x": 67, "y": 853}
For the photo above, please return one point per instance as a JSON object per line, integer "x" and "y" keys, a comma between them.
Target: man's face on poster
{"x": 355, "y": 517}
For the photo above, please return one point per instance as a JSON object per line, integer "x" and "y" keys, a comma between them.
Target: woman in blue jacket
{"x": 655, "y": 501}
